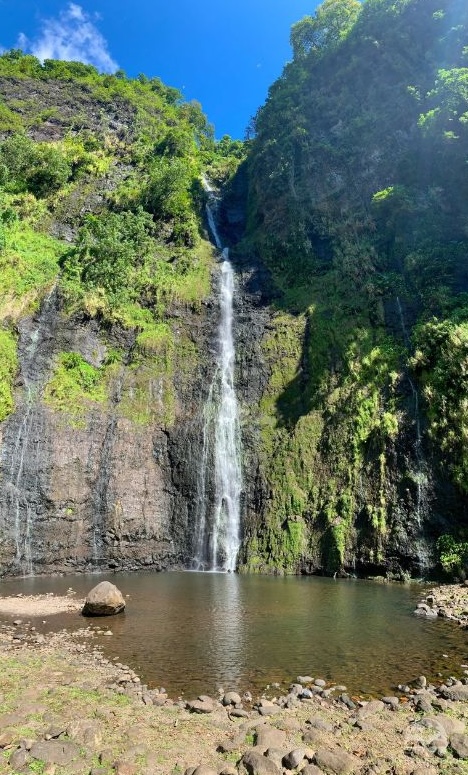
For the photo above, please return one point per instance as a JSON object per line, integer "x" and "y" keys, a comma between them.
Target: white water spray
{"x": 217, "y": 538}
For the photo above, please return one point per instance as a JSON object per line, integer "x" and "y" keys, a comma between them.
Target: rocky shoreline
{"x": 65, "y": 709}
{"x": 449, "y": 601}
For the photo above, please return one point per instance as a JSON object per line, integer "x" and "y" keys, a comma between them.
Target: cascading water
{"x": 25, "y": 459}
{"x": 419, "y": 474}
{"x": 217, "y": 530}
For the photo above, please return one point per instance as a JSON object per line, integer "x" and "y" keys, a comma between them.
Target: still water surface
{"x": 195, "y": 632}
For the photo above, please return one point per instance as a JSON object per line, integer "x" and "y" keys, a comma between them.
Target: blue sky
{"x": 224, "y": 54}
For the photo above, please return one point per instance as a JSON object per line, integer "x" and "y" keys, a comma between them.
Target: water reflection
{"x": 195, "y": 632}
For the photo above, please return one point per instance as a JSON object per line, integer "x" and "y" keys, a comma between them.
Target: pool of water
{"x": 195, "y": 632}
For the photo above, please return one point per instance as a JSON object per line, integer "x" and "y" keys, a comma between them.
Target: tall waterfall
{"x": 217, "y": 536}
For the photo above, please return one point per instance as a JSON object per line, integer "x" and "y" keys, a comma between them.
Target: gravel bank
{"x": 66, "y": 709}
{"x": 39, "y": 605}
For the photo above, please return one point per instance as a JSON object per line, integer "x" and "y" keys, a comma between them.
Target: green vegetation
{"x": 8, "y": 368}
{"x": 453, "y": 554}
{"x": 74, "y": 384}
{"x": 127, "y": 197}
{"x": 441, "y": 363}
{"x": 28, "y": 265}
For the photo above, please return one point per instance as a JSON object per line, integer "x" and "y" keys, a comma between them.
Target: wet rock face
{"x": 108, "y": 491}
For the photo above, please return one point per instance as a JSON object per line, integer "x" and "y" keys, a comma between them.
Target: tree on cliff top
{"x": 332, "y": 21}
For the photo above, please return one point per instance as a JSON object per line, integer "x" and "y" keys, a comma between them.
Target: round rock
{"x": 104, "y": 600}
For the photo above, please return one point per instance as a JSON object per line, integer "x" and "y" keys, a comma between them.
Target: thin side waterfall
{"x": 25, "y": 457}
{"x": 420, "y": 473}
{"x": 217, "y": 528}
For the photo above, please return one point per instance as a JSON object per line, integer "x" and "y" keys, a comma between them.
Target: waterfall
{"x": 25, "y": 461}
{"x": 419, "y": 474}
{"x": 217, "y": 524}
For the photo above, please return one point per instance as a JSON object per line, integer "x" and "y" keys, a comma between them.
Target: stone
{"x": 312, "y": 737}
{"x": 372, "y": 707}
{"x": 19, "y": 759}
{"x": 7, "y": 738}
{"x": 276, "y": 755}
{"x": 425, "y": 770}
{"x": 304, "y": 679}
{"x": 311, "y": 769}
{"x": 55, "y": 751}
{"x": 104, "y": 600}
{"x": 231, "y": 698}
{"x": 238, "y": 713}
{"x": 447, "y": 724}
{"x": 254, "y": 763}
{"x": 201, "y": 706}
{"x": 122, "y": 767}
{"x": 11, "y": 720}
{"x": 392, "y": 702}
{"x": 318, "y": 723}
{"x": 458, "y": 692}
{"x": 293, "y": 758}
{"x": 270, "y": 737}
{"x": 85, "y": 731}
{"x": 459, "y": 745}
{"x": 296, "y": 689}
{"x": 320, "y": 682}
{"x": 269, "y": 710}
{"x": 338, "y": 761}
{"x": 346, "y": 700}
{"x": 204, "y": 770}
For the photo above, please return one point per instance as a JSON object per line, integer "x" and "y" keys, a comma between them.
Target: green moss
{"x": 441, "y": 364}
{"x": 28, "y": 266}
{"x": 74, "y": 386}
{"x": 9, "y": 120}
{"x": 8, "y": 369}
{"x": 329, "y": 418}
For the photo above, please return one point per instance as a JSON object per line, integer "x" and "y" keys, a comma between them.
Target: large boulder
{"x": 103, "y": 600}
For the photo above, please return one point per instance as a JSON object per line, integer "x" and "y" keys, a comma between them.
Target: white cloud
{"x": 71, "y": 36}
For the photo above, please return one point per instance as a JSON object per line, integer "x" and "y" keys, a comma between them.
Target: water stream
{"x": 419, "y": 474}
{"x": 217, "y": 525}
{"x": 25, "y": 462}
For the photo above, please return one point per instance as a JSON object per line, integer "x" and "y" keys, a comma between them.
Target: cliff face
{"x": 347, "y": 227}
{"x": 100, "y": 488}
{"x": 110, "y": 346}
{"x": 117, "y": 484}
{"x": 357, "y": 208}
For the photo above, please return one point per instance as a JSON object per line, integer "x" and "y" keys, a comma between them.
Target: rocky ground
{"x": 65, "y": 709}
{"x": 449, "y": 601}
